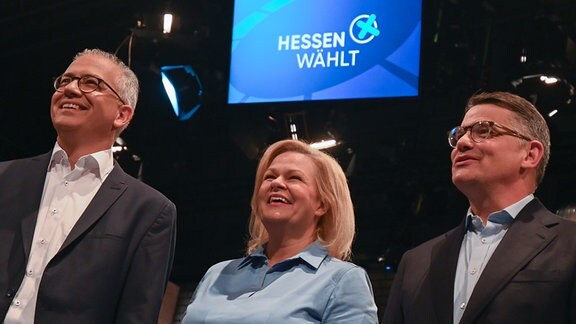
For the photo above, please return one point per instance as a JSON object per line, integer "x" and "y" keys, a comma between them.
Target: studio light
{"x": 296, "y": 125}
{"x": 324, "y": 144}
{"x": 167, "y": 24}
{"x": 553, "y": 112}
{"x": 550, "y": 92}
{"x": 183, "y": 88}
{"x": 129, "y": 161}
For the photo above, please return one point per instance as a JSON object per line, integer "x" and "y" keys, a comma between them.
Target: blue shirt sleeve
{"x": 352, "y": 300}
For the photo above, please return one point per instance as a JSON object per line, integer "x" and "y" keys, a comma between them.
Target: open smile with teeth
{"x": 278, "y": 200}
{"x": 70, "y": 106}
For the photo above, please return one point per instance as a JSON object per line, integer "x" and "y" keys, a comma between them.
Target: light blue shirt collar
{"x": 512, "y": 210}
{"x": 312, "y": 255}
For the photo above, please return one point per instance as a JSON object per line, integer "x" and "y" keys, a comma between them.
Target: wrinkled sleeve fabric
{"x": 352, "y": 300}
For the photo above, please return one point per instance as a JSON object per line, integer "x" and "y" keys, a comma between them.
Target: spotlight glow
{"x": 548, "y": 80}
{"x": 167, "y": 26}
{"x": 183, "y": 88}
{"x": 171, "y": 92}
{"x": 323, "y": 144}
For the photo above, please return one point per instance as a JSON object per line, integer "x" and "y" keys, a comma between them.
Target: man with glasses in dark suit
{"x": 81, "y": 241}
{"x": 510, "y": 260}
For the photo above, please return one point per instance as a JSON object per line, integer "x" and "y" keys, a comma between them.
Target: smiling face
{"x": 288, "y": 195}
{"x": 493, "y": 162}
{"x": 94, "y": 117}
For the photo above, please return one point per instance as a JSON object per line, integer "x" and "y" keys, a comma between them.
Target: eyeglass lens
{"x": 479, "y": 131}
{"x": 86, "y": 83}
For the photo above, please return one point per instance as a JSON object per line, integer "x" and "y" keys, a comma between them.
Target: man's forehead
{"x": 487, "y": 112}
{"x": 92, "y": 65}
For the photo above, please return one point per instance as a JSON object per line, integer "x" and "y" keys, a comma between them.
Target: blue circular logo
{"x": 364, "y": 28}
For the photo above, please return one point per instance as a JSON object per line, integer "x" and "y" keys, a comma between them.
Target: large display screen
{"x": 297, "y": 50}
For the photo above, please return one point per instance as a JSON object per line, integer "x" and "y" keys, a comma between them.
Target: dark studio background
{"x": 395, "y": 151}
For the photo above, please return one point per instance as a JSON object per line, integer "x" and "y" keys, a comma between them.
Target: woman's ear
{"x": 320, "y": 209}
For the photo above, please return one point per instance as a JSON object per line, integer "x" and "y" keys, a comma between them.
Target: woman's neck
{"x": 280, "y": 250}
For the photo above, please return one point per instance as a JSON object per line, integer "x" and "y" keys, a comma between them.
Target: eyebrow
{"x": 81, "y": 76}
{"x": 289, "y": 171}
{"x": 477, "y": 121}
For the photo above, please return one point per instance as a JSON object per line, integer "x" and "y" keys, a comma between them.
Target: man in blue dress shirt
{"x": 510, "y": 260}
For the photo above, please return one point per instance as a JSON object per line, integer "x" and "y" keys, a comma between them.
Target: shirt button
{"x": 483, "y": 241}
{"x": 17, "y": 302}
{"x": 29, "y": 272}
{"x": 43, "y": 241}
{"x": 473, "y": 271}
{"x": 66, "y": 183}
{"x": 54, "y": 211}
{"x": 463, "y": 305}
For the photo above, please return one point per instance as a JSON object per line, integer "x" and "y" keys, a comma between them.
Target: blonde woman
{"x": 296, "y": 269}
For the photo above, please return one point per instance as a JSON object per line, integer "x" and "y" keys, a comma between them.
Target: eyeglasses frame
{"x": 61, "y": 89}
{"x": 491, "y": 124}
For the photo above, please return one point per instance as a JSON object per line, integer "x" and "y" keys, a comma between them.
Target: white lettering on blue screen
{"x": 322, "y": 57}
{"x": 328, "y": 59}
{"x": 307, "y": 41}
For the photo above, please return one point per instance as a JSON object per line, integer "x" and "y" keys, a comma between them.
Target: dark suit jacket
{"x": 113, "y": 266}
{"x": 530, "y": 278}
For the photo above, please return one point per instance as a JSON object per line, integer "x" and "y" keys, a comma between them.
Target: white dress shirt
{"x": 66, "y": 195}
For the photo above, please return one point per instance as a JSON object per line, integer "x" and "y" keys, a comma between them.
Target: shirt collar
{"x": 312, "y": 255}
{"x": 102, "y": 162}
{"x": 506, "y": 215}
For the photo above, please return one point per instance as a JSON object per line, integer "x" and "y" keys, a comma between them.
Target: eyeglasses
{"x": 86, "y": 84}
{"x": 481, "y": 131}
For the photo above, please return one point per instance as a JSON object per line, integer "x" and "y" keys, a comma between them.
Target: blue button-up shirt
{"x": 478, "y": 245}
{"x": 310, "y": 287}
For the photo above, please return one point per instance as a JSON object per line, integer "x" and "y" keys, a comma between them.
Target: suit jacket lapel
{"x": 109, "y": 192}
{"x": 443, "y": 272}
{"x": 527, "y": 237}
{"x": 33, "y": 178}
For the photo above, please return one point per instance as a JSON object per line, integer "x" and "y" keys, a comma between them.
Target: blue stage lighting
{"x": 183, "y": 88}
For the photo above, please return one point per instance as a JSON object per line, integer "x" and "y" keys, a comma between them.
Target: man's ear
{"x": 534, "y": 154}
{"x": 125, "y": 114}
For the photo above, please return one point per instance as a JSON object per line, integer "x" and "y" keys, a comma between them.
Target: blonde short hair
{"x": 336, "y": 229}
